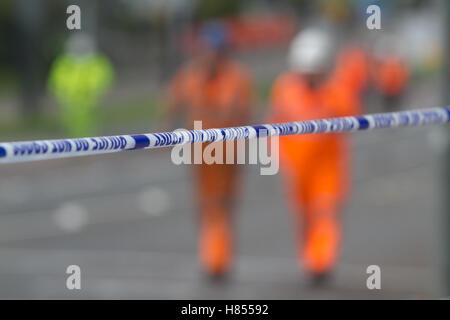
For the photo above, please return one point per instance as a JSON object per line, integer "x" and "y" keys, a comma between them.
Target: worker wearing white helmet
{"x": 315, "y": 167}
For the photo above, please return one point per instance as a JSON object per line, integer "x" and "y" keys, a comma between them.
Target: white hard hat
{"x": 311, "y": 51}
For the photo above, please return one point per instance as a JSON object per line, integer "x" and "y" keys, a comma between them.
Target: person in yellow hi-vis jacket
{"x": 78, "y": 78}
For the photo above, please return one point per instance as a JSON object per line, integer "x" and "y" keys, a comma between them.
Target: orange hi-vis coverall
{"x": 391, "y": 76}
{"x": 222, "y": 99}
{"x": 352, "y": 68}
{"x": 315, "y": 166}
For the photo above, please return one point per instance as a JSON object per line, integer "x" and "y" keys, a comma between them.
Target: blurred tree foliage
{"x": 207, "y": 9}
{"x": 5, "y": 33}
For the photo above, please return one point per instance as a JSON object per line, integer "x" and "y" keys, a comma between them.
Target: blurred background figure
{"x": 216, "y": 90}
{"x": 390, "y": 76}
{"x": 315, "y": 167}
{"x": 78, "y": 78}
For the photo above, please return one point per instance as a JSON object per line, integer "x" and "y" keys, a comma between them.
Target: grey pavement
{"x": 128, "y": 221}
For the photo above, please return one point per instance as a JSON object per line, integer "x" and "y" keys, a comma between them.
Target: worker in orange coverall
{"x": 216, "y": 90}
{"x": 391, "y": 77}
{"x": 316, "y": 166}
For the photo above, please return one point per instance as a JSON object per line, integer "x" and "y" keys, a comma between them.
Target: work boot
{"x": 320, "y": 247}
{"x": 215, "y": 245}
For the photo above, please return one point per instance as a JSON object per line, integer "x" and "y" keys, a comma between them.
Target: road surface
{"x": 128, "y": 221}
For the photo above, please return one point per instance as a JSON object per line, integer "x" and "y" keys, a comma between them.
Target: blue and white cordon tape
{"x": 11, "y": 152}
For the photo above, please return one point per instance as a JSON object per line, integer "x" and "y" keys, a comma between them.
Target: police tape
{"x": 22, "y": 151}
